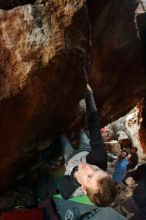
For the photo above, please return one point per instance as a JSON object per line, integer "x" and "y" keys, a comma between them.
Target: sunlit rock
{"x": 43, "y": 50}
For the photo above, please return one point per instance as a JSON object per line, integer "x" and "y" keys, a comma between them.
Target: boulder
{"x": 117, "y": 65}
{"x": 113, "y": 146}
{"x": 44, "y": 51}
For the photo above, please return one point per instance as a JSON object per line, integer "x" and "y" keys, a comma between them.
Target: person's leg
{"x": 84, "y": 141}
{"x": 67, "y": 148}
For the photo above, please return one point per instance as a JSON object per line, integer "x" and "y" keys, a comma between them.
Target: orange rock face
{"x": 44, "y": 50}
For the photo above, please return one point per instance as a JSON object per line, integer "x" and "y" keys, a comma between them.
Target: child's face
{"x": 88, "y": 175}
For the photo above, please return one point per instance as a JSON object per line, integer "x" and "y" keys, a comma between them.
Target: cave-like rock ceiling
{"x": 45, "y": 49}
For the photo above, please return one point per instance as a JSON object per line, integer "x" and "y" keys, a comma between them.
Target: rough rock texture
{"x": 128, "y": 131}
{"x": 141, "y": 19}
{"x": 117, "y": 69}
{"x": 43, "y": 51}
{"x": 95, "y": 8}
{"x": 13, "y": 3}
{"x": 113, "y": 147}
{"x": 142, "y": 124}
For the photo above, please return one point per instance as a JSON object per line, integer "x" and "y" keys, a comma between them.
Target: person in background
{"x": 137, "y": 202}
{"x": 139, "y": 196}
{"x": 120, "y": 167}
{"x": 138, "y": 175}
{"x": 132, "y": 158}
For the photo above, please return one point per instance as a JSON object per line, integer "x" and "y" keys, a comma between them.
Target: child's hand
{"x": 89, "y": 88}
